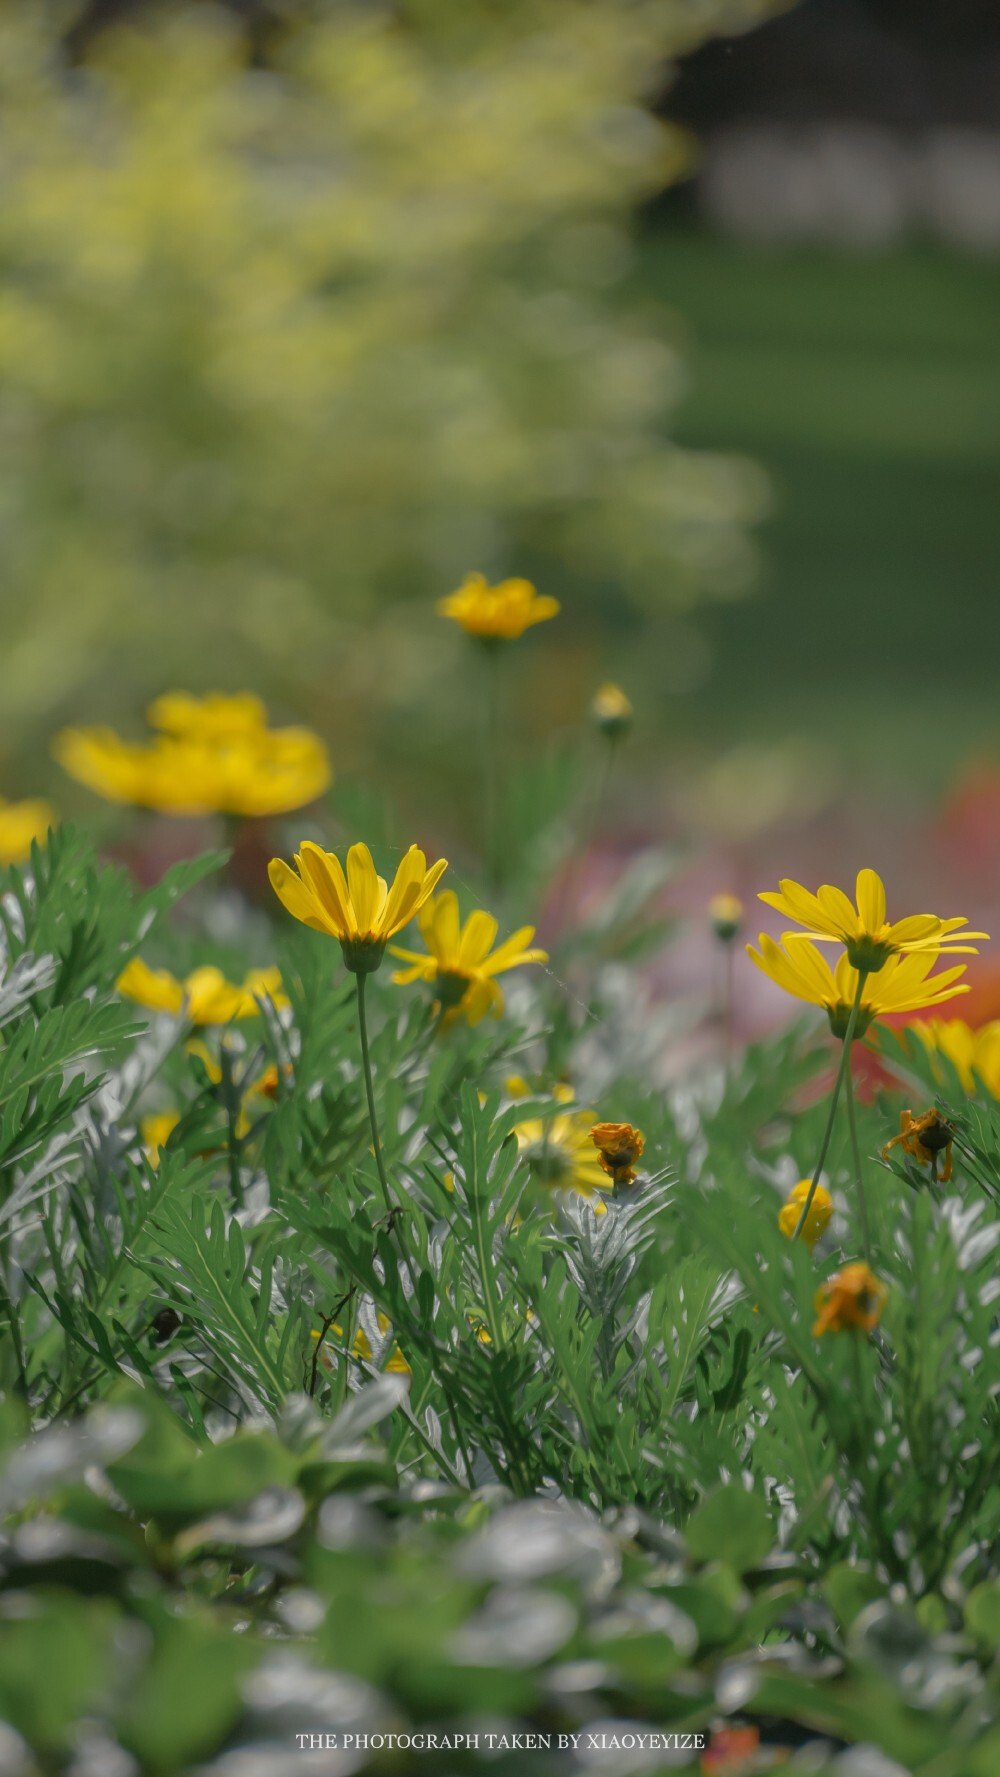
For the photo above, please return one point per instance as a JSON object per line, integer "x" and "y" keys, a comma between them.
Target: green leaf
{"x": 731, "y": 1525}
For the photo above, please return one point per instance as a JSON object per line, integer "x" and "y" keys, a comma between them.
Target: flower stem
{"x": 491, "y": 767}
{"x": 361, "y": 982}
{"x": 845, "y": 1063}
{"x": 862, "y": 1201}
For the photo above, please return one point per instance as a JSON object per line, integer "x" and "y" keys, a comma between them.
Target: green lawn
{"x": 870, "y": 390}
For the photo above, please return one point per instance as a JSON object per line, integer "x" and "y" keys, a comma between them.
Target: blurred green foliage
{"x": 282, "y": 339}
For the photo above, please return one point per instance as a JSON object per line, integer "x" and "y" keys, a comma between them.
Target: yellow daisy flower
{"x": 20, "y": 823}
{"x": 973, "y": 1052}
{"x": 868, "y": 938}
{"x": 497, "y": 613}
{"x": 559, "y": 1153}
{"x": 900, "y": 985}
{"x": 816, "y": 1222}
{"x": 205, "y": 995}
{"x": 213, "y": 755}
{"x": 461, "y": 963}
{"x": 359, "y": 909}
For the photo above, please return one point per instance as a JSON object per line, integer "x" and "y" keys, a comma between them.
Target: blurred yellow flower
{"x": 853, "y": 1297}
{"x": 359, "y": 909}
{"x": 559, "y": 1153}
{"x": 902, "y": 984}
{"x": 611, "y": 711}
{"x": 362, "y": 1347}
{"x": 460, "y": 963}
{"x": 816, "y": 1222}
{"x": 618, "y": 1146}
{"x": 213, "y": 755}
{"x": 925, "y": 1137}
{"x": 205, "y": 995}
{"x": 497, "y": 613}
{"x": 725, "y": 916}
{"x": 156, "y": 1130}
{"x": 20, "y": 823}
{"x": 974, "y": 1053}
{"x": 216, "y": 713}
{"x": 868, "y": 938}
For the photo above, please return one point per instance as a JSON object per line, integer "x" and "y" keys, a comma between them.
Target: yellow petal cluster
{"x": 156, "y": 1130}
{"x": 205, "y": 995}
{"x": 460, "y": 962}
{"x": 903, "y": 984}
{"x": 358, "y": 907}
{"x": 868, "y": 937}
{"x": 974, "y": 1052}
{"x": 498, "y": 613}
{"x": 559, "y": 1153}
{"x": 362, "y": 1347}
{"x": 210, "y": 755}
{"x": 818, "y": 1219}
{"x": 20, "y": 823}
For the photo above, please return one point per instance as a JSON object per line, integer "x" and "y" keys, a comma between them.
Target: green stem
{"x": 845, "y": 1062}
{"x": 855, "y": 1149}
{"x": 366, "y": 1063}
{"x": 491, "y": 767}
{"x": 728, "y": 974}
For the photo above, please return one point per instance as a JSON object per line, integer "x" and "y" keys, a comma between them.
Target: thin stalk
{"x": 845, "y": 1062}
{"x": 728, "y": 975}
{"x": 366, "y": 1063}
{"x": 491, "y": 767}
{"x": 855, "y": 1149}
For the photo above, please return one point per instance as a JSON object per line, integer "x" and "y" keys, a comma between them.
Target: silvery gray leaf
{"x": 517, "y": 1626}
{"x": 271, "y": 1517}
{"x": 536, "y": 1537}
{"x": 64, "y": 1452}
{"x": 368, "y": 1407}
{"x": 27, "y": 976}
{"x": 345, "y": 1522}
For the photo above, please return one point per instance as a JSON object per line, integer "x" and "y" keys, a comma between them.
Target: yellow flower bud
{"x": 611, "y": 711}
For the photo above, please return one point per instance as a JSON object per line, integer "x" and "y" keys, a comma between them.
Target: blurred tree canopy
{"x": 286, "y": 336}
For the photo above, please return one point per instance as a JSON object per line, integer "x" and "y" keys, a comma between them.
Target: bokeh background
{"x": 690, "y": 312}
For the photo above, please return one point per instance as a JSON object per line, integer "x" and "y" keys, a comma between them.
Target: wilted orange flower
{"x": 619, "y": 1146}
{"x": 925, "y": 1137}
{"x": 853, "y": 1297}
